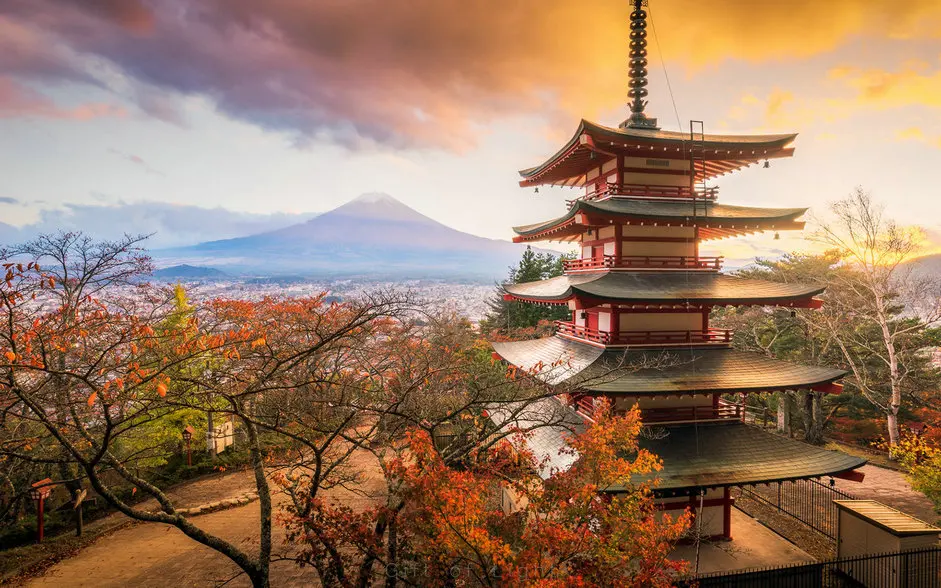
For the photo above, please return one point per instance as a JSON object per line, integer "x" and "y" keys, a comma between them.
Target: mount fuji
{"x": 374, "y": 235}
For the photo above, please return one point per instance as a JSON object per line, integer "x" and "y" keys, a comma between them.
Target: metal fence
{"x": 908, "y": 569}
{"x": 808, "y": 501}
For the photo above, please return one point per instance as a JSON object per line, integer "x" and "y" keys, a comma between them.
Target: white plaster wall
{"x": 652, "y": 231}
{"x": 676, "y": 402}
{"x": 667, "y": 321}
{"x": 655, "y": 248}
{"x": 656, "y": 179}
{"x": 604, "y": 322}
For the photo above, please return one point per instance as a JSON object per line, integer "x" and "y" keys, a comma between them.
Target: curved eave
{"x": 663, "y": 288}
{"x": 736, "y": 455}
{"x": 722, "y": 153}
{"x": 586, "y": 215}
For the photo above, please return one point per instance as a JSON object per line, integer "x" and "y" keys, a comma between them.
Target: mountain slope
{"x": 373, "y": 234}
{"x": 188, "y": 272}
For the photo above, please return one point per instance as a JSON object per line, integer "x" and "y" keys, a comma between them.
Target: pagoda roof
{"x": 663, "y": 287}
{"x": 722, "y": 153}
{"x": 715, "y": 221}
{"x": 652, "y": 372}
{"x": 694, "y": 456}
{"x": 735, "y": 454}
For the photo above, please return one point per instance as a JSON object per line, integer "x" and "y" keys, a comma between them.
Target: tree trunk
{"x": 260, "y": 579}
{"x": 784, "y": 413}
{"x": 892, "y": 421}
{"x": 813, "y": 417}
{"x": 392, "y": 549}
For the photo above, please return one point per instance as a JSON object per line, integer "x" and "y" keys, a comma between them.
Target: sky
{"x": 130, "y": 114}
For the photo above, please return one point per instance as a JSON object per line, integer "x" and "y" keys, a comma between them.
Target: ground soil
{"x": 158, "y": 555}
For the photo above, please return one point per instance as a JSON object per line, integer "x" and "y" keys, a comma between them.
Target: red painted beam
{"x": 852, "y": 476}
{"x": 831, "y": 388}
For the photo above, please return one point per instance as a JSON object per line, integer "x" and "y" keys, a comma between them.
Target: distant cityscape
{"x": 467, "y": 298}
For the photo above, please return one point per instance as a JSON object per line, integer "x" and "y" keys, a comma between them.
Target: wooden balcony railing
{"x": 726, "y": 411}
{"x": 643, "y": 262}
{"x": 688, "y": 414}
{"x": 709, "y": 336}
{"x": 643, "y": 191}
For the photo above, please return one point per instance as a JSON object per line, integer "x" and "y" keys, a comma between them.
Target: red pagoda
{"x": 640, "y": 292}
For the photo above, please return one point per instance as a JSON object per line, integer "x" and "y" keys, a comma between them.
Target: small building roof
{"x": 547, "y": 423}
{"x": 892, "y": 520}
{"x": 663, "y": 287}
{"x": 736, "y": 454}
{"x": 715, "y": 221}
{"x": 648, "y": 372}
{"x": 722, "y": 153}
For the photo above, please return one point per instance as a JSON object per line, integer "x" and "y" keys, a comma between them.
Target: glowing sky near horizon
{"x": 291, "y": 106}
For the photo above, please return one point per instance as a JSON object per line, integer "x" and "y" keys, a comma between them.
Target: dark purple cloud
{"x": 410, "y": 72}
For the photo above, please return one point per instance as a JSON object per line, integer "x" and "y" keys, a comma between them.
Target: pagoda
{"x": 640, "y": 296}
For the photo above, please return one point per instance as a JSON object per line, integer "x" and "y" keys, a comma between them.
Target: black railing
{"x": 808, "y": 501}
{"x": 919, "y": 568}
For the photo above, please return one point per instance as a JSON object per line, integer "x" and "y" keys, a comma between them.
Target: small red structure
{"x": 39, "y": 492}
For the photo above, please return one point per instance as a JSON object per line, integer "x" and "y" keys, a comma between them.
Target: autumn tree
{"x": 563, "y": 530}
{"x": 93, "y": 373}
{"x": 887, "y": 304}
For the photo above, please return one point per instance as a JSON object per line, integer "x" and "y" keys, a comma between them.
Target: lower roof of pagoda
{"x": 694, "y": 457}
{"x": 662, "y": 287}
{"x": 715, "y": 221}
{"x": 735, "y": 454}
{"x": 660, "y": 372}
{"x": 722, "y": 154}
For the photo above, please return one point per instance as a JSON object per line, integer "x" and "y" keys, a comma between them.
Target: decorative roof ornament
{"x": 638, "y": 70}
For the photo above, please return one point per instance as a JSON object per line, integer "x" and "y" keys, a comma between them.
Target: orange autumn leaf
{"x": 10, "y": 356}
{"x": 258, "y": 342}
{"x": 162, "y": 389}
{"x": 91, "y": 399}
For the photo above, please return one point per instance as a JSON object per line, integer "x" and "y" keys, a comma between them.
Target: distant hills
{"x": 373, "y": 235}
{"x": 929, "y": 264}
{"x": 189, "y": 272}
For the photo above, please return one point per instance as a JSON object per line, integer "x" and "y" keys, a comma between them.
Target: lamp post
{"x": 187, "y": 437}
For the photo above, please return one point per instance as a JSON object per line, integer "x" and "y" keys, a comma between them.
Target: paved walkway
{"x": 158, "y": 555}
{"x": 753, "y": 545}
{"x": 892, "y": 488}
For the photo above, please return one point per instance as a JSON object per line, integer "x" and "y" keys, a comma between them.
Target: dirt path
{"x": 159, "y": 555}
{"x": 890, "y": 487}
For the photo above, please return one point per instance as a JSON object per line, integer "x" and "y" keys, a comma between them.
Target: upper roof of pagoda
{"x": 715, "y": 221}
{"x": 722, "y": 153}
{"x": 665, "y": 288}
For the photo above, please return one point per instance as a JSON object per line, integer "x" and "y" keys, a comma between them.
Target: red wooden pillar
{"x": 727, "y": 513}
{"x": 618, "y": 243}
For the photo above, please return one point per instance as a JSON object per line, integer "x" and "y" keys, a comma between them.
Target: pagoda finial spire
{"x": 638, "y": 70}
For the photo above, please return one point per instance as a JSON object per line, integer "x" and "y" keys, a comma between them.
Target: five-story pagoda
{"x": 640, "y": 291}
